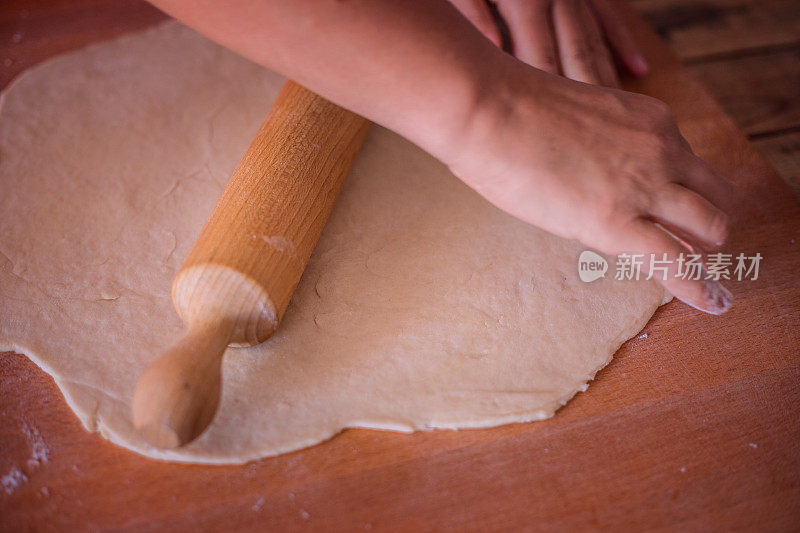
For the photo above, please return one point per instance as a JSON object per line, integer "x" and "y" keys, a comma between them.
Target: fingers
{"x": 478, "y": 13}
{"x": 620, "y": 38}
{"x": 583, "y": 35}
{"x": 582, "y": 50}
{"x": 676, "y": 276}
{"x": 694, "y": 215}
{"x": 602, "y": 57}
{"x": 531, "y": 34}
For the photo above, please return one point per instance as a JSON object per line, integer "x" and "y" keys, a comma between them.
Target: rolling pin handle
{"x": 177, "y": 395}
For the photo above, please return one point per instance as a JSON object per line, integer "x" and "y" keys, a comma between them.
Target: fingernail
{"x": 718, "y": 298}
{"x": 639, "y": 65}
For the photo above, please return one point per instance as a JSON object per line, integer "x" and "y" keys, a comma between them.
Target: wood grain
{"x": 694, "y": 427}
{"x": 761, "y": 93}
{"x": 702, "y": 28}
{"x": 783, "y": 153}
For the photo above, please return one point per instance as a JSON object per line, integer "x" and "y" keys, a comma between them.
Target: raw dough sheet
{"x": 422, "y": 307}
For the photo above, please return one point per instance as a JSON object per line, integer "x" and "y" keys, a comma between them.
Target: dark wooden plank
{"x": 694, "y": 427}
{"x": 761, "y": 93}
{"x": 702, "y": 28}
{"x": 783, "y": 153}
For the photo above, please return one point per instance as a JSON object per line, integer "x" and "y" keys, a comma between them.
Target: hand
{"x": 603, "y": 166}
{"x": 583, "y": 162}
{"x": 575, "y": 38}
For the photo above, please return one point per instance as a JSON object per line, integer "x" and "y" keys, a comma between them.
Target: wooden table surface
{"x": 695, "y": 426}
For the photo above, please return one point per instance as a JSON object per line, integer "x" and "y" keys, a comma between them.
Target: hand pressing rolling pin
{"x": 585, "y": 162}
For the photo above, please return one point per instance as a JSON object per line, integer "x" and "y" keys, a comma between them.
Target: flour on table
{"x": 39, "y": 454}
{"x": 13, "y": 480}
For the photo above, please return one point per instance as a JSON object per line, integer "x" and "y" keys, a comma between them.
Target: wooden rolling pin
{"x": 234, "y": 286}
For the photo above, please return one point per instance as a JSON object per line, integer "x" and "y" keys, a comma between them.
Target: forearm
{"x": 418, "y": 68}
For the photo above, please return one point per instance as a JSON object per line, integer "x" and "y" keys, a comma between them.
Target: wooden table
{"x": 747, "y": 53}
{"x": 695, "y": 426}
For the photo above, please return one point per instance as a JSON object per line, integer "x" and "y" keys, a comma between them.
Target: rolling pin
{"x": 239, "y": 276}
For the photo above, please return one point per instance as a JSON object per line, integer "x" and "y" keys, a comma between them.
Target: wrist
{"x": 469, "y": 92}
{"x": 503, "y": 97}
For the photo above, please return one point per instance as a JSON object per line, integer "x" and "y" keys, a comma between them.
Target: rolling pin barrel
{"x": 237, "y": 280}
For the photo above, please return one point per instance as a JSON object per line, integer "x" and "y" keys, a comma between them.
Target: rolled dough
{"x": 423, "y": 306}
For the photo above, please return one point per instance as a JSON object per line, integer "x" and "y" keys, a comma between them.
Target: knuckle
{"x": 660, "y": 109}
{"x": 720, "y": 227}
{"x": 632, "y": 197}
{"x": 662, "y": 144}
{"x": 665, "y": 127}
{"x": 640, "y": 194}
{"x": 657, "y": 113}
